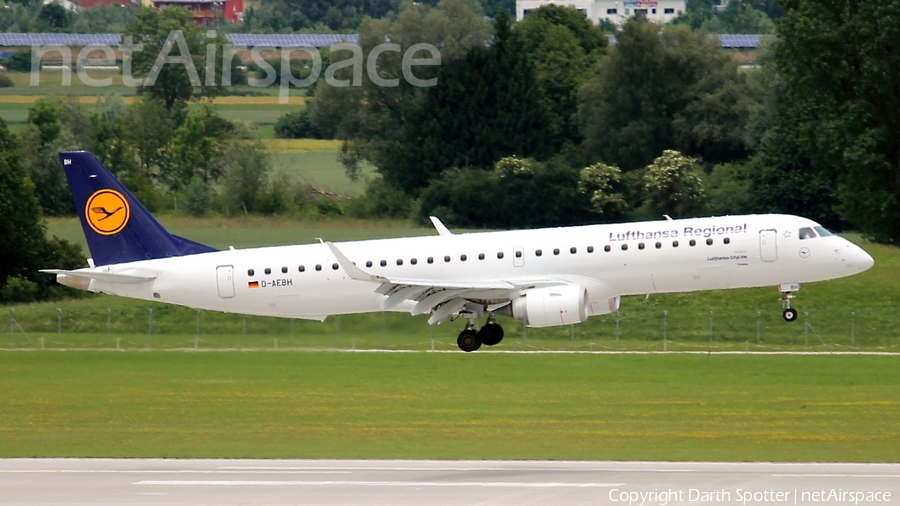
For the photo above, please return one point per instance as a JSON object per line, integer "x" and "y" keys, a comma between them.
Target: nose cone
{"x": 855, "y": 258}
{"x": 863, "y": 261}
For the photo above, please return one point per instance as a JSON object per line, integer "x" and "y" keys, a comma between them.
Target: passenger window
{"x": 674, "y": 244}
{"x": 268, "y": 270}
{"x": 499, "y": 254}
{"x": 413, "y": 261}
{"x": 481, "y": 256}
{"x": 284, "y": 270}
{"x": 624, "y": 247}
{"x": 538, "y": 253}
{"x": 806, "y": 233}
{"x": 572, "y": 250}
{"x": 590, "y": 249}
{"x": 335, "y": 266}
{"x": 250, "y": 272}
{"x": 658, "y": 245}
{"x": 726, "y": 240}
{"x": 431, "y": 260}
{"x": 518, "y": 254}
{"x": 693, "y": 242}
{"x": 640, "y": 245}
{"x": 368, "y": 263}
{"x": 556, "y": 251}
{"x": 709, "y": 242}
{"x": 823, "y": 232}
{"x": 463, "y": 258}
{"x": 399, "y": 262}
{"x": 318, "y": 267}
{"x": 301, "y": 268}
{"x": 607, "y": 248}
{"x": 447, "y": 258}
{"x": 384, "y": 263}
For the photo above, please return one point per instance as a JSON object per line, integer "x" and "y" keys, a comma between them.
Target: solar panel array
{"x": 60, "y": 39}
{"x": 290, "y": 40}
{"x": 729, "y": 41}
{"x": 733, "y": 41}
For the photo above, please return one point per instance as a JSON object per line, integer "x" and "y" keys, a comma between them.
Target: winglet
{"x": 351, "y": 269}
{"x": 439, "y": 226}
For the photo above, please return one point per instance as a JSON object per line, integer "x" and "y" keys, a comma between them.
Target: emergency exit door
{"x": 225, "y": 275}
{"x": 768, "y": 249}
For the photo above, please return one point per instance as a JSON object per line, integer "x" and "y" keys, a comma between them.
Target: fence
{"x": 644, "y": 328}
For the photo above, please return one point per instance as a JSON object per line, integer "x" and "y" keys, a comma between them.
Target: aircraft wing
{"x": 444, "y": 297}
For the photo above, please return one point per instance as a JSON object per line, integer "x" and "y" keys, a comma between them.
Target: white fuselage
{"x": 744, "y": 251}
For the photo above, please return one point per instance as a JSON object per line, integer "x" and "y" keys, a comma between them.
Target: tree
{"x": 54, "y": 17}
{"x": 486, "y": 107}
{"x": 600, "y": 183}
{"x": 672, "y": 185}
{"x": 44, "y": 113}
{"x": 24, "y": 248}
{"x": 173, "y": 30}
{"x": 296, "y": 125}
{"x": 246, "y": 168}
{"x": 370, "y": 118}
{"x": 664, "y": 87}
{"x": 563, "y": 46}
{"x": 841, "y": 64}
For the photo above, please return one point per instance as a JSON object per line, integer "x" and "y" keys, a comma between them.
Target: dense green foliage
{"x": 24, "y": 248}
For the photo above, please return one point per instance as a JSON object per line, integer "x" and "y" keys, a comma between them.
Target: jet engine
{"x": 551, "y": 306}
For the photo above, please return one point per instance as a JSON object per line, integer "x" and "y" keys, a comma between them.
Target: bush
{"x": 296, "y": 125}
{"x": 5, "y": 81}
{"x": 380, "y": 200}
{"x": 328, "y": 207}
{"x": 197, "y": 197}
{"x": 20, "y": 61}
{"x": 19, "y": 290}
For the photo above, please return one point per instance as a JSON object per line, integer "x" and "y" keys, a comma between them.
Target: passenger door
{"x": 225, "y": 276}
{"x": 768, "y": 249}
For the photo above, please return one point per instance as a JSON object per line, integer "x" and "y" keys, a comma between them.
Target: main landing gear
{"x": 489, "y": 335}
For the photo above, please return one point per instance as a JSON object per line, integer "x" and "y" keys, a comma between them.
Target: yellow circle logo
{"x": 107, "y": 212}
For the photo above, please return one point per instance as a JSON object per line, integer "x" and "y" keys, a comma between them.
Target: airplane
{"x": 544, "y": 277}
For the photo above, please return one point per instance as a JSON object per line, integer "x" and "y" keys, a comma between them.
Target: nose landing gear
{"x": 789, "y": 314}
{"x": 489, "y": 335}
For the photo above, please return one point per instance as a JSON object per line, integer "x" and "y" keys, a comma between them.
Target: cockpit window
{"x": 823, "y": 232}
{"x": 807, "y": 233}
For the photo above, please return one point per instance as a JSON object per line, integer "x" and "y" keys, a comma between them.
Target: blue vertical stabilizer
{"x": 118, "y": 228}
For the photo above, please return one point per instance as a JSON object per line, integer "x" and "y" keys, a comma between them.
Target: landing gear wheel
{"x": 789, "y": 314}
{"x": 468, "y": 340}
{"x": 491, "y": 334}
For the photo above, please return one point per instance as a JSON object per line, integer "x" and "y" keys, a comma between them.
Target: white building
{"x": 614, "y": 11}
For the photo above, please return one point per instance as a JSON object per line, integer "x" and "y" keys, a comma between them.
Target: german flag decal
{"x": 253, "y": 284}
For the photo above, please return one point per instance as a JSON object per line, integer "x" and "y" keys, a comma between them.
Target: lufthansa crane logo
{"x": 107, "y": 212}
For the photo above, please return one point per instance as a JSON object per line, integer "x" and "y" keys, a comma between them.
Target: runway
{"x": 440, "y": 483}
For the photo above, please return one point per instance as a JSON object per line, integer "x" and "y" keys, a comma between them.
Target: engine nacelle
{"x": 605, "y": 306}
{"x": 548, "y": 307}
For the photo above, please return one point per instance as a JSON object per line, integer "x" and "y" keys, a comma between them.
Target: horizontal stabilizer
{"x": 127, "y": 277}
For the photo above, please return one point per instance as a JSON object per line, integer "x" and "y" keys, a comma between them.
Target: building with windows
{"x": 613, "y": 11}
{"x": 207, "y": 12}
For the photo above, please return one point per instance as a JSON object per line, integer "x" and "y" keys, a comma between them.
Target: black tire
{"x": 468, "y": 341}
{"x": 491, "y": 334}
{"x": 789, "y": 315}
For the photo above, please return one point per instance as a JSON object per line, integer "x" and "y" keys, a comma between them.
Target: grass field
{"x": 449, "y": 406}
